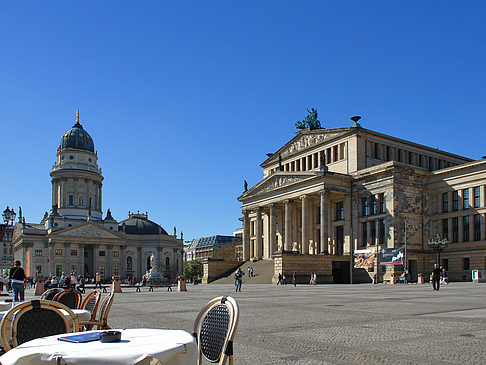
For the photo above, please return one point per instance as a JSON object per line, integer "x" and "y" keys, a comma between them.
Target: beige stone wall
{"x": 214, "y": 269}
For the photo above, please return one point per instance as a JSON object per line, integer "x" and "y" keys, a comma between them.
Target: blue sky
{"x": 184, "y": 99}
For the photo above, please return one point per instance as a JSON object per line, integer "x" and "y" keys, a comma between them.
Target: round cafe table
{"x": 137, "y": 346}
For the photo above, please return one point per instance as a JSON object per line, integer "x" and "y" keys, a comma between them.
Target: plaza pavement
{"x": 329, "y": 324}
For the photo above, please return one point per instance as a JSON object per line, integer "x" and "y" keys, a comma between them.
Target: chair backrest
{"x": 35, "y": 319}
{"x": 91, "y": 302}
{"x": 50, "y": 293}
{"x": 71, "y": 298}
{"x": 105, "y": 309}
{"x": 215, "y": 328}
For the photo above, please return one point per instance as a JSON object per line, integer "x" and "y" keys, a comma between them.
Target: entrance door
{"x": 340, "y": 272}
{"x": 89, "y": 269}
{"x": 412, "y": 270}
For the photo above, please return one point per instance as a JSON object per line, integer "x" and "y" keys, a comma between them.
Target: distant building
{"x": 74, "y": 236}
{"x": 329, "y": 192}
{"x": 214, "y": 247}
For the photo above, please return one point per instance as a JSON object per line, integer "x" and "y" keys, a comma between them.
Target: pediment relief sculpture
{"x": 88, "y": 231}
{"x": 308, "y": 140}
{"x": 278, "y": 182}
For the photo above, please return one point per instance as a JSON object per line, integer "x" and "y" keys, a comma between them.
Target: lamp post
{"x": 437, "y": 244}
{"x": 8, "y": 217}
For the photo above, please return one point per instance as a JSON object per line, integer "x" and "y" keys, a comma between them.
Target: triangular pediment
{"x": 306, "y": 139}
{"x": 277, "y": 181}
{"x": 88, "y": 229}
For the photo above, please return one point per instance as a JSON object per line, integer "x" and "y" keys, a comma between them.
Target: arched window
{"x": 167, "y": 263}
{"x": 129, "y": 263}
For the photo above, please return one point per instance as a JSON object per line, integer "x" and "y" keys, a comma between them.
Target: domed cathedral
{"x": 74, "y": 236}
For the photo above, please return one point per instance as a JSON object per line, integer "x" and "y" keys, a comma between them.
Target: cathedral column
{"x": 109, "y": 266}
{"x": 324, "y": 223}
{"x": 272, "y": 231}
{"x": 304, "y": 225}
{"x": 246, "y": 236}
{"x": 82, "y": 247}
{"x": 288, "y": 229}
{"x": 258, "y": 234}
{"x": 67, "y": 259}
{"x": 347, "y": 226}
{"x": 123, "y": 262}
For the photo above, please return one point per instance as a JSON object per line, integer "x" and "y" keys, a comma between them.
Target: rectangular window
{"x": 341, "y": 151}
{"x": 381, "y": 231}
{"x": 373, "y": 204}
{"x": 73, "y": 252}
{"x": 102, "y": 253}
{"x": 445, "y": 228}
{"x": 455, "y": 201}
{"x": 339, "y": 211}
{"x": 373, "y": 233}
{"x": 316, "y": 160}
{"x": 421, "y": 160}
{"x": 297, "y": 163}
{"x": 465, "y": 228}
{"x": 335, "y": 150}
{"x": 377, "y": 151}
{"x": 455, "y": 229}
{"x": 431, "y": 164}
{"x": 71, "y": 200}
{"x": 477, "y": 227}
{"x": 304, "y": 165}
{"x": 328, "y": 155}
{"x": 381, "y": 203}
{"x": 445, "y": 202}
{"x": 411, "y": 159}
{"x": 117, "y": 253}
{"x": 465, "y": 199}
{"x": 465, "y": 263}
{"x": 388, "y": 153}
{"x": 477, "y": 197}
{"x": 116, "y": 271}
{"x": 38, "y": 253}
{"x": 399, "y": 153}
{"x": 364, "y": 236}
{"x": 58, "y": 251}
{"x": 364, "y": 206}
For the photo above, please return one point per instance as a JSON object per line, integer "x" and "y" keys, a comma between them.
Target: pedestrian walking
{"x": 436, "y": 275}
{"x": 283, "y": 280}
{"x": 294, "y": 278}
{"x": 17, "y": 278}
{"x": 238, "y": 279}
{"x": 279, "y": 279}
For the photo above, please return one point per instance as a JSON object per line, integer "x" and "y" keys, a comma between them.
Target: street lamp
{"x": 9, "y": 218}
{"x": 438, "y": 244}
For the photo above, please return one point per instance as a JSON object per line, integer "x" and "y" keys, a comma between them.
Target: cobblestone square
{"x": 329, "y": 324}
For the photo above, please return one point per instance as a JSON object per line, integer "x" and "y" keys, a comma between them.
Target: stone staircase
{"x": 263, "y": 271}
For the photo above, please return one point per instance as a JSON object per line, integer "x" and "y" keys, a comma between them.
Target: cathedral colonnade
{"x": 306, "y": 224}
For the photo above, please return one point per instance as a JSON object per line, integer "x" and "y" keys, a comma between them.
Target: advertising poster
{"x": 391, "y": 256}
{"x": 364, "y": 258}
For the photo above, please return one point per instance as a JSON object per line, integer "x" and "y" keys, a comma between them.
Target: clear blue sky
{"x": 184, "y": 99}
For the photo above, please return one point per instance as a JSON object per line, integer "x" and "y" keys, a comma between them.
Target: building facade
{"x": 74, "y": 236}
{"x": 214, "y": 247}
{"x": 329, "y": 192}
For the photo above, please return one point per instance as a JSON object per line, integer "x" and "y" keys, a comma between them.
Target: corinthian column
{"x": 271, "y": 231}
{"x": 258, "y": 234}
{"x": 304, "y": 225}
{"x": 288, "y": 229}
{"x": 246, "y": 236}
{"x": 324, "y": 223}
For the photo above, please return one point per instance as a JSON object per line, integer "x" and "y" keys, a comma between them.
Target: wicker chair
{"x": 71, "y": 298}
{"x": 102, "y": 321}
{"x": 91, "y": 303}
{"x": 215, "y": 328}
{"x": 35, "y": 319}
{"x": 49, "y": 294}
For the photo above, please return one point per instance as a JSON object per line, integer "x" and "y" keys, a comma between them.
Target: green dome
{"x": 77, "y": 138}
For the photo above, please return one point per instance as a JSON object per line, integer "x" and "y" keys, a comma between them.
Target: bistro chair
{"x": 50, "y": 293}
{"x": 35, "y": 319}
{"x": 214, "y": 330}
{"x": 91, "y": 303}
{"x": 70, "y": 297}
{"x": 102, "y": 321}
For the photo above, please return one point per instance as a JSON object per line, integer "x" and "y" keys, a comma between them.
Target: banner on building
{"x": 364, "y": 258}
{"x": 391, "y": 256}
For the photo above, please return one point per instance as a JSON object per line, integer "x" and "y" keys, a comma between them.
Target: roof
{"x": 77, "y": 138}
{"x": 213, "y": 241}
{"x": 140, "y": 224}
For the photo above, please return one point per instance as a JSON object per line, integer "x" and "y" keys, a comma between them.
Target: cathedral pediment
{"x": 275, "y": 182}
{"x": 88, "y": 229}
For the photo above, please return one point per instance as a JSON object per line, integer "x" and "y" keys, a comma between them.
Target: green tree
{"x": 193, "y": 268}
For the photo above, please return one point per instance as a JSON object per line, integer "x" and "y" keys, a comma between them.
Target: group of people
{"x": 239, "y": 279}
{"x": 313, "y": 278}
{"x": 66, "y": 281}
{"x": 281, "y": 279}
{"x": 250, "y": 272}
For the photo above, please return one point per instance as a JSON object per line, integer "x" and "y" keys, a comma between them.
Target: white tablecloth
{"x": 138, "y": 346}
